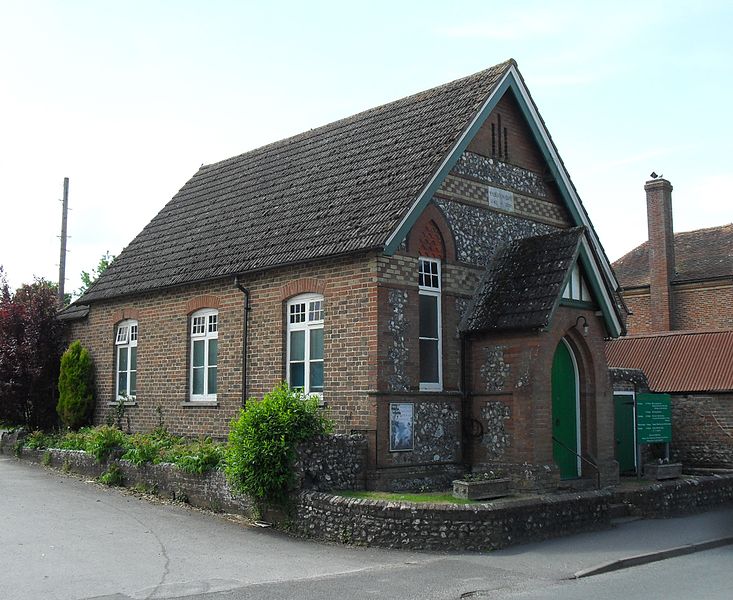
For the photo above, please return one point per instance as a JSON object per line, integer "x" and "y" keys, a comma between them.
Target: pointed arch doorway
{"x": 565, "y": 412}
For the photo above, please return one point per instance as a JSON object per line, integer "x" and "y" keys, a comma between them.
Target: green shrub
{"x": 197, "y": 457}
{"x": 151, "y": 447}
{"x": 104, "y": 441}
{"x": 37, "y": 440}
{"x": 262, "y": 442}
{"x": 112, "y": 476}
{"x": 76, "y": 440}
{"x": 76, "y": 386}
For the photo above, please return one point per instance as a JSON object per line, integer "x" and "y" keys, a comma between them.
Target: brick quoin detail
{"x": 302, "y": 286}
{"x": 125, "y": 313}
{"x": 205, "y": 301}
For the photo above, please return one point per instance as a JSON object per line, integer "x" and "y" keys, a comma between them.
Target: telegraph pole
{"x": 62, "y": 258}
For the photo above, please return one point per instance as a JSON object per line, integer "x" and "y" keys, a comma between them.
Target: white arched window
{"x": 304, "y": 316}
{"x": 126, "y": 345}
{"x": 204, "y": 354}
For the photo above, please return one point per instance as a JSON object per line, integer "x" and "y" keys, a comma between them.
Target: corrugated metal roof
{"x": 678, "y": 361}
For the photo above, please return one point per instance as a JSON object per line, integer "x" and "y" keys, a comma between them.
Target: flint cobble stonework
{"x": 424, "y": 526}
{"x": 428, "y": 526}
{"x": 332, "y": 463}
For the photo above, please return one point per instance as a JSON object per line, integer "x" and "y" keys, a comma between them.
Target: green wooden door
{"x": 624, "y": 430}
{"x": 564, "y": 412}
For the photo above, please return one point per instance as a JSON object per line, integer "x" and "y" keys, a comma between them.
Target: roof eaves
{"x": 568, "y": 275}
{"x": 612, "y": 318}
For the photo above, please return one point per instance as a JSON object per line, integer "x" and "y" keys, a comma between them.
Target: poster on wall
{"x": 400, "y": 426}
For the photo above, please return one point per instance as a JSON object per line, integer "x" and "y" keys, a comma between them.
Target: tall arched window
{"x": 431, "y": 347}
{"x": 204, "y": 354}
{"x": 126, "y": 345}
{"x": 304, "y": 316}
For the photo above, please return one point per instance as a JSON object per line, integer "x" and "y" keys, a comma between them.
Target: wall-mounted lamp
{"x": 585, "y": 324}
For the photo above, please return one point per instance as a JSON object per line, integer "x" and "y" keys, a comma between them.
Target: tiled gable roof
{"x": 337, "y": 189}
{"x": 678, "y": 361}
{"x": 523, "y": 283}
{"x": 699, "y": 254}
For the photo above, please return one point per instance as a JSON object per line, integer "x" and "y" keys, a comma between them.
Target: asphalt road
{"x": 62, "y": 538}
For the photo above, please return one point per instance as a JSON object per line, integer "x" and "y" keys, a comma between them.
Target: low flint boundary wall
{"x": 478, "y": 527}
{"x": 424, "y": 526}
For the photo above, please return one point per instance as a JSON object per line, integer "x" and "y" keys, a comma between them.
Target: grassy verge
{"x": 434, "y": 497}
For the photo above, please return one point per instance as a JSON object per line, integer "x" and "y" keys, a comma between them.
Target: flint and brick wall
{"x": 512, "y": 406}
{"x": 702, "y": 430}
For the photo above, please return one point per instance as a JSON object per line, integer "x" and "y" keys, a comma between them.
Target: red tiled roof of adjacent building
{"x": 700, "y": 254}
{"x": 678, "y": 361}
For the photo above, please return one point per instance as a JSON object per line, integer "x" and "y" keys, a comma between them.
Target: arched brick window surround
{"x": 123, "y": 314}
{"x": 430, "y": 220}
{"x": 302, "y": 286}
{"x": 204, "y": 301}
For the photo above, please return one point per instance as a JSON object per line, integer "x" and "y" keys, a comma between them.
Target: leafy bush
{"x": 76, "y": 386}
{"x": 112, "y": 476}
{"x": 103, "y": 441}
{"x": 76, "y": 440}
{"x": 37, "y": 440}
{"x": 30, "y": 347}
{"x": 262, "y": 442}
{"x": 150, "y": 448}
{"x": 197, "y": 457}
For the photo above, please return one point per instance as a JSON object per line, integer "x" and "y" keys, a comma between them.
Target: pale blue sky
{"x": 127, "y": 99}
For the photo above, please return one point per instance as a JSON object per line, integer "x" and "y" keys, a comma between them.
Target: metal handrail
{"x": 582, "y": 458}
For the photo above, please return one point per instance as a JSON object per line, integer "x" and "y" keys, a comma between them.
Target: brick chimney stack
{"x": 661, "y": 252}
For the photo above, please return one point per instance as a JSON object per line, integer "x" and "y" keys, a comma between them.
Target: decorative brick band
{"x": 125, "y": 313}
{"x": 205, "y": 301}
{"x": 465, "y": 190}
{"x": 303, "y": 286}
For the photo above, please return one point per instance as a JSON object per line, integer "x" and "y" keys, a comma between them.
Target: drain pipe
{"x": 245, "y": 331}
{"x": 465, "y": 403}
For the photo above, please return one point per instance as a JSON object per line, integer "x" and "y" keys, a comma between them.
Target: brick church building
{"x": 425, "y": 267}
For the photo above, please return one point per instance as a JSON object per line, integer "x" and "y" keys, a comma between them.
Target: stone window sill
{"x": 129, "y": 403}
{"x": 200, "y": 403}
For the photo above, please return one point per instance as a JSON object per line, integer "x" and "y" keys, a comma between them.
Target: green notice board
{"x": 653, "y": 418}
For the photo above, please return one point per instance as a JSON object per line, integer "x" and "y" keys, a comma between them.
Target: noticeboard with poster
{"x": 400, "y": 426}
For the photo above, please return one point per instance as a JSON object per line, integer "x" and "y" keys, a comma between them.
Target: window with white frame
{"x": 431, "y": 353}
{"x": 204, "y": 354}
{"x": 126, "y": 350}
{"x": 304, "y": 316}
